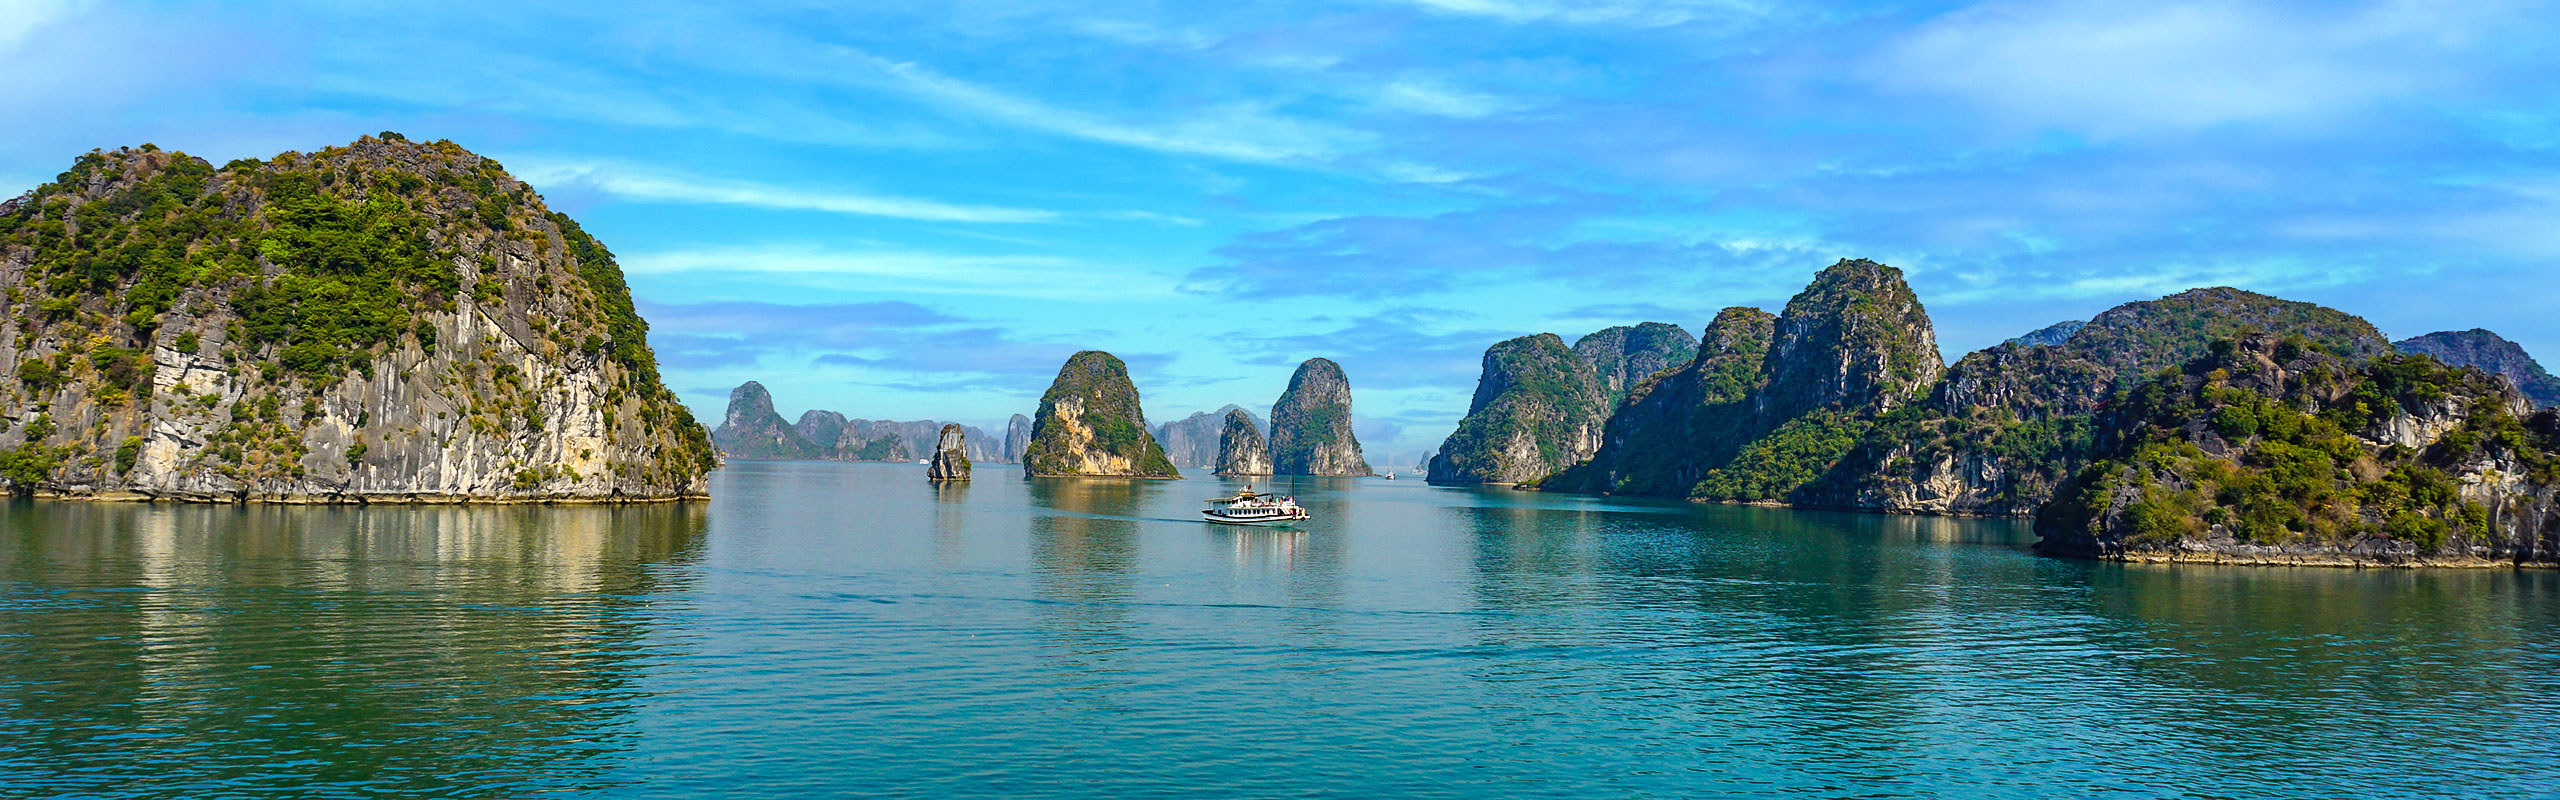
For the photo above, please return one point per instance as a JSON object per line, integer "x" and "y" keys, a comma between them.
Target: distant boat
{"x": 1391, "y": 476}
{"x": 1249, "y": 508}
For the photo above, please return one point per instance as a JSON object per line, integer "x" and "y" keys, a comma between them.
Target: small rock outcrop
{"x": 1538, "y": 409}
{"x": 2492, "y": 353}
{"x": 1017, "y": 438}
{"x": 1625, "y": 355}
{"x": 1090, "y": 424}
{"x": 1241, "y": 451}
{"x": 1192, "y": 442}
{"x": 2272, "y": 450}
{"x": 388, "y": 321}
{"x": 950, "y": 456}
{"x": 1311, "y": 424}
{"x": 752, "y": 430}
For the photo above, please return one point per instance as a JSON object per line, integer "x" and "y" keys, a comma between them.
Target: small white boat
{"x": 1249, "y": 508}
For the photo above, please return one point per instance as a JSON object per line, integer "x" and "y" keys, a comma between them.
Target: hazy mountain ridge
{"x": 753, "y": 430}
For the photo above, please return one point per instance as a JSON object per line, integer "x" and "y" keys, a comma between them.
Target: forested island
{"x": 2211, "y": 425}
{"x": 388, "y": 321}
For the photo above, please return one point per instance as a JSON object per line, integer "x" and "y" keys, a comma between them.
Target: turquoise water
{"x": 847, "y": 630}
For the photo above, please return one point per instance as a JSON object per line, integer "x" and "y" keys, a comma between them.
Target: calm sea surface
{"x": 847, "y": 630}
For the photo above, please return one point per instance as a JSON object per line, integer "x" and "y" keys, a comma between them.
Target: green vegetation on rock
{"x": 1311, "y": 424}
{"x": 1772, "y": 404}
{"x": 1537, "y": 409}
{"x": 1090, "y": 423}
{"x": 1675, "y": 426}
{"x": 2491, "y": 353}
{"x": 284, "y": 278}
{"x": 1625, "y": 356}
{"x": 2279, "y": 450}
{"x": 2007, "y": 425}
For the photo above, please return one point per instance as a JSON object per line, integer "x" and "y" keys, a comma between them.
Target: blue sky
{"x": 919, "y": 209}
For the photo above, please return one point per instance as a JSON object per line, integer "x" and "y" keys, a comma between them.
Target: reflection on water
{"x": 415, "y": 650}
{"x": 850, "y": 629}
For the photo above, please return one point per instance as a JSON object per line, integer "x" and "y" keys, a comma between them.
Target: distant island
{"x": 2213, "y": 425}
{"x": 752, "y": 430}
{"x": 1080, "y": 431}
{"x": 389, "y": 321}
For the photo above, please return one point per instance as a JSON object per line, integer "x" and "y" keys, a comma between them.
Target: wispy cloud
{"x": 1647, "y": 13}
{"x": 887, "y": 270}
{"x": 666, "y": 187}
{"x": 25, "y": 17}
{"x": 2117, "y": 67}
{"x": 1241, "y": 130}
{"x": 1138, "y": 33}
{"x": 889, "y": 344}
{"x": 1422, "y": 96}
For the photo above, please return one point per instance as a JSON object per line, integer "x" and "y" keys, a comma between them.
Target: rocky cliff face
{"x": 904, "y": 440}
{"x": 1675, "y": 427}
{"x": 1241, "y": 451}
{"x": 1311, "y": 424}
{"x": 1856, "y": 341}
{"x": 2490, "y": 353}
{"x": 1538, "y": 409}
{"x": 2274, "y": 450}
{"x": 839, "y": 439}
{"x": 2049, "y": 335}
{"x": 1759, "y": 417}
{"x": 1193, "y": 441}
{"x": 753, "y": 430}
{"x": 950, "y": 456}
{"x": 1017, "y": 438}
{"x": 1625, "y": 355}
{"x": 2007, "y": 425}
{"x": 383, "y": 322}
{"x": 1090, "y": 424}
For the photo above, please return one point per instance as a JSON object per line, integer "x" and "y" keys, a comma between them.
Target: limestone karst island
{"x": 1384, "y": 399}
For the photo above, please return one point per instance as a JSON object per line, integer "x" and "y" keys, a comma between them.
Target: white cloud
{"x": 1641, "y": 13}
{"x": 1411, "y": 172}
{"x": 895, "y": 271}
{"x": 2510, "y": 215}
{"x": 1184, "y": 39}
{"x": 20, "y": 19}
{"x": 1418, "y": 96}
{"x": 2117, "y": 67}
{"x": 639, "y": 184}
{"x": 1242, "y": 131}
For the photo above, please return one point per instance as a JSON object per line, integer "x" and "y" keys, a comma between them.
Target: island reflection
{"x": 489, "y": 651}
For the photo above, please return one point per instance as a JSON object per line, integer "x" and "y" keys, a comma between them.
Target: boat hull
{"x": 1261, "y": 522}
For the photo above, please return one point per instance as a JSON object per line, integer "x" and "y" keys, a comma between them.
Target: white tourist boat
{"x": 1250, "y": 508}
